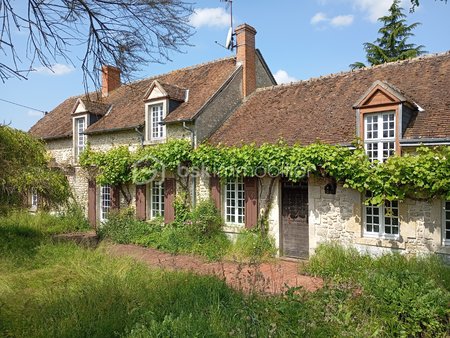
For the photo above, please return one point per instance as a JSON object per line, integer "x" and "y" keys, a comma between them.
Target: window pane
{"x": 157, "y": 199}
{"x": 234, "y": 201}
{"x": 105, "y": 201}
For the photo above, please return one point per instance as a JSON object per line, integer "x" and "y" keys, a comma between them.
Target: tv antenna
{"x": 229, "y": 42}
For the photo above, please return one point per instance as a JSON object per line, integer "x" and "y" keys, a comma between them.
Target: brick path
{"x": 273, "y": 277}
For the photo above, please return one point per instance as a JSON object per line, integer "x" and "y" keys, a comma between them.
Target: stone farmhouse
{"x": 392, "y": 108}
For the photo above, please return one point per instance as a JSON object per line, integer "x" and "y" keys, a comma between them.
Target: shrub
{"x": 407, "y": 296}
{"x": 251, "y": 244}
{"x": 123, "y": 227}
{"x": 206, "y": 219}
{"x": 71, "y": 219}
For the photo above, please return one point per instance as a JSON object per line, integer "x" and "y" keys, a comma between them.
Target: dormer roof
{"x": 159, "y": 90}
{"x": 382, "y": 93}
{"x": 87, "y": 106}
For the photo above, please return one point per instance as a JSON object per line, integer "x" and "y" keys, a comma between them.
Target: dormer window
{"x": 158, "y": 99}
{"x": 79, "y": 136}
{"x": 379, "y": 135}
{"x": 156, "y": 114}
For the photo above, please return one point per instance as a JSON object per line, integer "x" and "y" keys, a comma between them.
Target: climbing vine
{"x": 422, "y": 175}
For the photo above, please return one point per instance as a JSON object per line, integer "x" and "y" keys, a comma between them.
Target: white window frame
{"x": 78, "y": 146}
{"x": 105, "y": 203}
{"x": 152, "y": 124}
{"x": 157, "y": 199}
{"x": 385, "y": 220}
{"x": 234, "y": 201}
{"x": 384, "y": 144}
{"x": 445, "y": 221}
{"x": 34, "y": 199}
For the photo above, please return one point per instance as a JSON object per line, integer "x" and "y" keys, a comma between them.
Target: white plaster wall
{"x": 274, "y": 205}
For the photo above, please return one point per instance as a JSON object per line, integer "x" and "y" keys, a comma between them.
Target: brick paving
{"x": 273, "y": 277}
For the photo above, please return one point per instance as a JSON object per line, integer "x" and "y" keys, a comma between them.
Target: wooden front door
{"x": 294, "y": 219}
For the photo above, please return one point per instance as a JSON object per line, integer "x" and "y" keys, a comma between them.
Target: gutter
{"x": 425, "y": 141}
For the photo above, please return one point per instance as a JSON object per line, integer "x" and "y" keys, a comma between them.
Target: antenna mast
{"x": 229, "y": 44}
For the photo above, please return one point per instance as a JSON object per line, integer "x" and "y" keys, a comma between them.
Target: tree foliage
{"x": 24, "y": 166}
{"x": 392, "y": 45}
{"x": 123, "y": 33}
{"x": 423, "y": 175}
{"x": 416, "y": 3}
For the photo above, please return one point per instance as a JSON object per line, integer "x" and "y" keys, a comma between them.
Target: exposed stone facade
{"x": 339, "y": 218}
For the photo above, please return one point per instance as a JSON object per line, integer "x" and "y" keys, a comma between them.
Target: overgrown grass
{"x": 60, "y": 290}
{"x": 199, "y": 233}
{"x": 70, "y": 220}
{"x": 407, "y": 296}
{"x": 252, "y": 246}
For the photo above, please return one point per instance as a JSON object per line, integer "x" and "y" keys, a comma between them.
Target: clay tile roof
{"x": 321, "y": 109}
{"x": 96, "y": 108}
{"x": 174, "y": 92}
{"x": 127, "y": 103}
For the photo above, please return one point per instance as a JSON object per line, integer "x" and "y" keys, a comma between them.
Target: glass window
{"x": 156, "y": 114}
{"x": 446, "y": 230}
{"x": 234, "y": 201}
{"x": 80, "y": 137}
{"x": 379, "y": 136}
{"x": 105, "y": 202}
{"x": 157, "y": 207}
{"x": 34, "y": 199}
{"x": 382, "y": 220}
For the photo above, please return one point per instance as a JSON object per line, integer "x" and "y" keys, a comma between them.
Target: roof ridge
{"x": 343, "y": 73}
{"x": 154, "y": 77}
{"x": 181, "y": 69}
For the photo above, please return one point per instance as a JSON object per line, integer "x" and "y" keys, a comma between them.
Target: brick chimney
{"x": 245, "y": 39}
{"x": 110, "y": 79}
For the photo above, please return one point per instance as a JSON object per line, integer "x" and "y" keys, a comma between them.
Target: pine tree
{"x": 392, "y": 45}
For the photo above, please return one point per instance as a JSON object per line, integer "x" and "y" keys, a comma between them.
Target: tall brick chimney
{"x": 245, "y": 39}
{"x": 110, "y": 79}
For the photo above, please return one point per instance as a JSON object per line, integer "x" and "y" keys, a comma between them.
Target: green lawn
{"x": 52, "y": 289}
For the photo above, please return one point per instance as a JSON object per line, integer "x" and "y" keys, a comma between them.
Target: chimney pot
{"x": 110, "y": 79}
{"x": 246, "y": 55}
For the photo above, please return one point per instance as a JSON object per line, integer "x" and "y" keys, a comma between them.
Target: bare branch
{"x": 123, "y": 33}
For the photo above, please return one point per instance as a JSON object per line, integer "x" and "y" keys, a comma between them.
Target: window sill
{"x": 153, "y": 142}
{"x": 233, "y": 227}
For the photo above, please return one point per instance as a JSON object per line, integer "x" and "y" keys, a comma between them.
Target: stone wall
{"x": 339, "y": 218}
{"x": 61, "y": 150}
{"x": 107, "y": 141}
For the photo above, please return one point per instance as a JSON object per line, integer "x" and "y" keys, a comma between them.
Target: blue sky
{"x": 298, "y": 39}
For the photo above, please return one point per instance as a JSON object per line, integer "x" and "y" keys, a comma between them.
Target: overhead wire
{"x": 24, "y": 106}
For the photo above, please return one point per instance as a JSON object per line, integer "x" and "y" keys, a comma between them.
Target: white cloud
{"x": 318, "y": 17}
{"x": 337, "y": 21}
{"x": 281, "y": 76}
{"x": 373, "y": 9}
{"x": 34, "y": 113}
{"x": 210, "y": 17}
{"x": 342, "y": 20}
{"x": 57, "y": 69}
